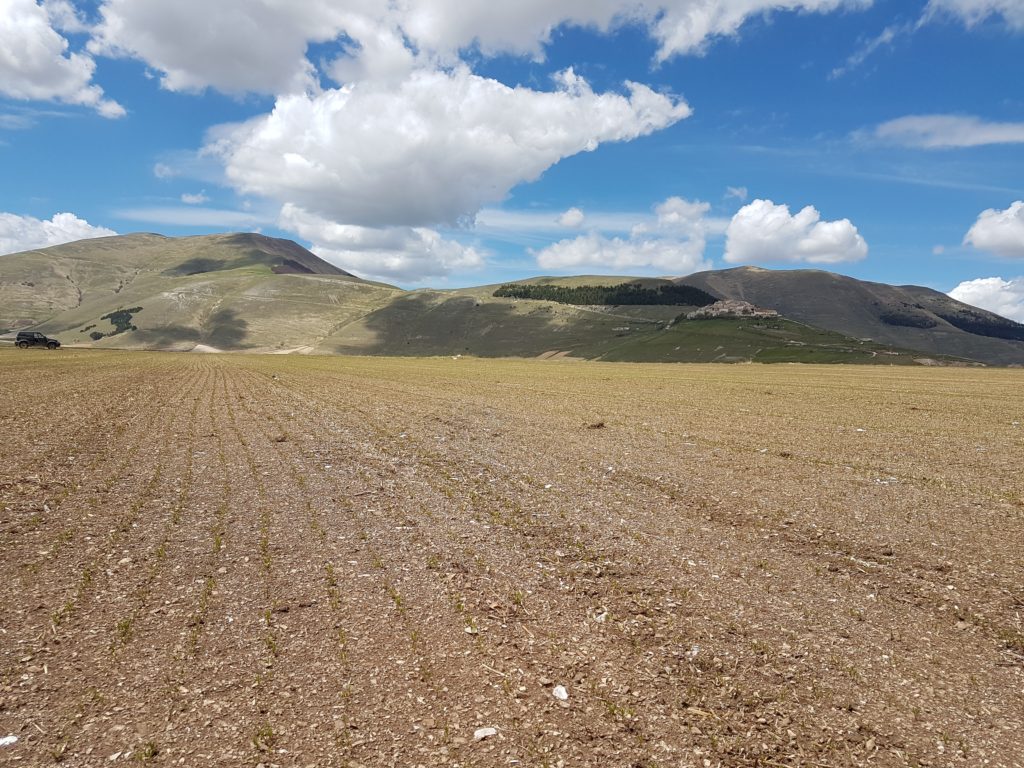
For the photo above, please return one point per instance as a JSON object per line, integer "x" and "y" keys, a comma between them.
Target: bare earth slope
{"x": 910, "y": 317}
{"x": 236, "y": 560}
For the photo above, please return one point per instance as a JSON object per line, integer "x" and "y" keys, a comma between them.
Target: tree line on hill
{"x": 609, "y": 295}
{"x": 966, "y": 319}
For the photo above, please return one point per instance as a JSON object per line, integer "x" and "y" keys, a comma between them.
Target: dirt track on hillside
{"x": 230, "y": 561}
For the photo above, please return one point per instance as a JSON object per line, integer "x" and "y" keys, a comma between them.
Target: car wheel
{"x": 23, "y": 344}
{"x": 51, "y": 345}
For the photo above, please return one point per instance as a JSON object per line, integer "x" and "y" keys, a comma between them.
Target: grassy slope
{"x": 223, "y": 291}
{"x": 220, "y": 290}
{"x": 856, "y": 308}
{"x": 36, "y": 285}
{"x": 475, "y": 323}
{"x": 762, "y": 341}
{"x": 471, "y": 322}
{"x": 247, "y": 308}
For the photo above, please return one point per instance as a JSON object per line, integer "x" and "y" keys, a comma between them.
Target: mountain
{"x": 248, "y": 292}
{"x": 233, "y": 291}
{"x": 911, "y": 317}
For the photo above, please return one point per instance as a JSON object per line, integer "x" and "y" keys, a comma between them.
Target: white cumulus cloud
{"x": 407, "y": 254}
{"x": 234, "y": 46}
{"x": 35, "y": 62}
{"x": 411, "y": 137}
{"x": 1000, "y": 232}
{"x": 679, "y": 26}
{"x": 1004, "y": 297}
{"x": 572, "y": 218}
{"x": 679, "y": 217}
{"x": 432, "y": 150}
{"x": 947, "y": 131}
{"x": 673, "y": 243}
{"x": 197, "y": 198}
{"x": 27, "y": 233}
{"x": 262, "y": 45}
{"x": 762, "y": 231}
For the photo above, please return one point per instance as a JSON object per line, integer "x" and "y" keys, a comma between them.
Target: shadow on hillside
{"x": 196, "y": 266}
{"x": 223, "y": 329}
{"x": 200, "y": 265}
{"x": 419, "y": 324}
{"x": 167, "y": 336}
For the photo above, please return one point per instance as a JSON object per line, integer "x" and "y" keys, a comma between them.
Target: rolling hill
{"x": 911, "y": 317}
{"x": 249, "y": 292}
{"x": 236, "y": 291}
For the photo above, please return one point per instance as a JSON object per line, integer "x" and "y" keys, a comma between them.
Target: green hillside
{"x": 453, "y": 323}
{"x": 248, "y": 292}
{"x": 740, "y": 339}
{"x": 475, "y": 323}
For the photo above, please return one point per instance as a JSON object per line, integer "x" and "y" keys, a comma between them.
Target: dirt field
{"x": 231, "y": 561}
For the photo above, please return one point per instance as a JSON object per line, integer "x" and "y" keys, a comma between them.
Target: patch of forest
{"x": 610, "y": 295}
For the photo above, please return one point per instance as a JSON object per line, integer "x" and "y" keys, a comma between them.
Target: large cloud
{"x": 432, "y": 150}
{"x": 232, "y": 45}
{"x": 35, "y": 63}
{"x": 947, "y": 131}
{"x": 25, "y": 233}
{"x": 405, "y": 254}
{"x": 762, "y": 231}
{"x": 261, "y": 45}
{"x": 674, "y": 244}
{"x": 1004, "y": 297}
{"x": 412, "y": 138}
{"x": 1001, "y": 232}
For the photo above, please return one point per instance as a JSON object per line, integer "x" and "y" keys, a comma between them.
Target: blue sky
{"x": 449, "y": 143}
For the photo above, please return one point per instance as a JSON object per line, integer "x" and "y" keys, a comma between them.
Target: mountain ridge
{"x": 250, "y": 292}
{"x": 910, "y": 316}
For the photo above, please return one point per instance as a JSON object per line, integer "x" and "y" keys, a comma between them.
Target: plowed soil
{"x": 233, "y": 561}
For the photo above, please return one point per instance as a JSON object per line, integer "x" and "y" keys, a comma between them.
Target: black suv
{"x": 28, "y": 339}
